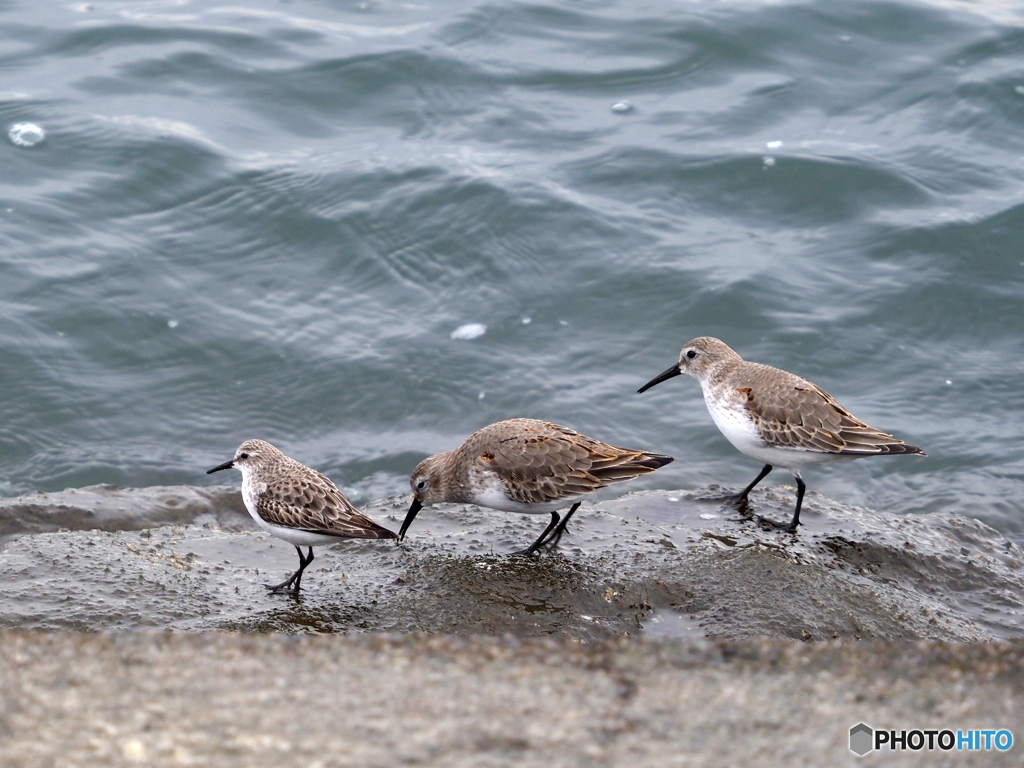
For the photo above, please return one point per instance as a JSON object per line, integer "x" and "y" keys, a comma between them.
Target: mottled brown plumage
{"x": 775, "y": 416}
{"x": 526, "y": 465}
{"x": 294, "y": 496}
{"x": 791, "y": 412}
{"x": 297, "y": 504}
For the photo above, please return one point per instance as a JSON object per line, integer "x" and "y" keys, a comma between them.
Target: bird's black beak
{"x": 219, "y": 467}
{"x": 663, "y": 376}
{"x": 417, "y": 505}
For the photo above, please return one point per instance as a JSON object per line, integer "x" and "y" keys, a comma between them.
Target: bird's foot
{"x": 278, "y": 590}
{"x": 288, "y": 587}
{"x": 742, "y": 505}
{"x": 528, "y": 552}
{"x": 789, "y": 527}
{"x": 738, "y": 501}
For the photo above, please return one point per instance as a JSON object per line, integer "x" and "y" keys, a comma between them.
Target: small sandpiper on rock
{"x": 526, "y": 465}
{"x": 777, "y": 417}
{"x": 297, "y": 504}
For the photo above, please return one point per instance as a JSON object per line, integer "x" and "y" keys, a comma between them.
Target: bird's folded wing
{"x": 802, "y": 415}
{"x": 315, "y": 504}
{"x": 555, "y": 463}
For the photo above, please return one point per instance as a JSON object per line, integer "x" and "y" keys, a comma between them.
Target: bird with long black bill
{"x": 526, "y": 465}
{"x": 776, "y": 417}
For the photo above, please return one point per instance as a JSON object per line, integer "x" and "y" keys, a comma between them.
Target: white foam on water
{"x": 469, "y": 331}
{"x": 26, "y": 134}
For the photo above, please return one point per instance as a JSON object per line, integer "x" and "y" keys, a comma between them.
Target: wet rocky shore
{"x": 666, "y": 630}
{"x": 680, "y": 564}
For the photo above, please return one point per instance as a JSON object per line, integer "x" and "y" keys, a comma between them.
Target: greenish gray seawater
{"x": 268, "y": 220}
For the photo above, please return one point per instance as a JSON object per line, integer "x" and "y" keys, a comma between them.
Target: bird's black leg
{"x": 556, "y": 535}
{"x": 800, "y": 488}
{"x": 302, "y": 567}
{"x": 540, "y": 540}
{"x": 294, "y": 582}
{"x": 741, "y": 498}
{"x": 792, "y": 524}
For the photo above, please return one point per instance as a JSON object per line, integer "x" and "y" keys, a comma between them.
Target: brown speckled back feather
{"x": 541, "y": 462}
{"x": 792, "y": 412}
{"x": 302, "y": 498}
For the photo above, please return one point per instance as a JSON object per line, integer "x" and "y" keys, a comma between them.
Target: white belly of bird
{"x": 490, "y": 492}
{"x": 291, "y": 535}
{"x": 739, "y": 429}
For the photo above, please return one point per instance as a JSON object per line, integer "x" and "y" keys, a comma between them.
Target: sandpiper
{"x": 525, "y": 465}
{"x": 777, "y": 417}
{"x": 297, "y": 504}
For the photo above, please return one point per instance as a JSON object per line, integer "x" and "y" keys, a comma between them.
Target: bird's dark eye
{"x": 421, "y": 485}
{"x": 243, "y": 455}
{"x": 691, "y": 354}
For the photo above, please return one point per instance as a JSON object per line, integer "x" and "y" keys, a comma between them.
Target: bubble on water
{"x": 673, "y": 498}
{"x": 469, "y": 331}
{"x": 26, "y": 134}
{"x": 481, "y": 396}
{"x": 527, "y": 320}
{"x": 622, "y": 107}
{"x": 708, "y": 516}
{"x": 1019, "y": 89}
{"x": 172, "y": 323}
{"x": 768, "y": 161}
{"x": 773, "y": 144}
{"x": 949, "y": 383}
{"x": 844, "y": 38}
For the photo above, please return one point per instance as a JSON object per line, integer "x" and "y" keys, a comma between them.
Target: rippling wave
{"x": 249, "y": 222}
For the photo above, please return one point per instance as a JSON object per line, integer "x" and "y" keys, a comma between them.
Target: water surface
{"x": 268, "y": 221}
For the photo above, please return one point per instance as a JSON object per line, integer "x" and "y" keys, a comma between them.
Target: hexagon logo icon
{"x": 862, "y": 739}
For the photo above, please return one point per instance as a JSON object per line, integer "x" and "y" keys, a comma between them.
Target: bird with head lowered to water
{"x": 526, "y": 465}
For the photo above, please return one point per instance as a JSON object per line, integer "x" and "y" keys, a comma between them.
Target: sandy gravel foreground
{"x": 225, "y": 699}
